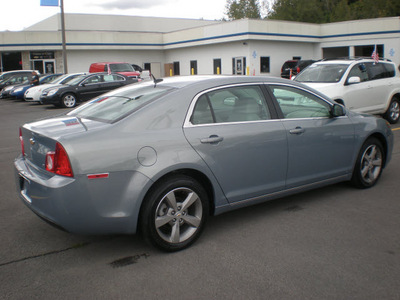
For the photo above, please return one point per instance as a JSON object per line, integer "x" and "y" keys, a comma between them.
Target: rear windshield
{"x": 289, "y": 64}
{"x": 120, "y": 68}
{"x": 120, "y": 103}
{"x": 322, "y": 73}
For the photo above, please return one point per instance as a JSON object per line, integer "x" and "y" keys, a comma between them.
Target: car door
{"x": 320, "y": 147}
{"x": 112, "y": 81}
{"x": 90, "y": 87}
{"x": 232, "y": 130}
{"x": 358, "y": 96}
{"x": 382, "y": 80}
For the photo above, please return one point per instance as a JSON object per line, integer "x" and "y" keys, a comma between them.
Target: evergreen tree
{"x": 241, "y": 9}
{"x": 325, "y": 11}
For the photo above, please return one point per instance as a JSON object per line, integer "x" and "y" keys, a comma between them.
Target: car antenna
{"x": 155, "y": 80}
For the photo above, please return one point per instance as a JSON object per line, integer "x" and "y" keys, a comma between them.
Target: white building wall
{"x": 80, "y": 60}
{"x": 278, "y": 52}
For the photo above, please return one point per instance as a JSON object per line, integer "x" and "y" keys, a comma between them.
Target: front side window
{"x": 233, "y": 104}
{"x": 359, "y": 70}
{"x": 92, "y": 80}
{"x": 298, "y": 104}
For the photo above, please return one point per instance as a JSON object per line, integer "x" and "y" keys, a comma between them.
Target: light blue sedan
{"x": 162, "y": 156}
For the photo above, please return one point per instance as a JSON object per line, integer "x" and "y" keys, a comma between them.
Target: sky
{"x": 19, "y": 14}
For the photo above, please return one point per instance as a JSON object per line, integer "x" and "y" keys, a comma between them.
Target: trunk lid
{"x": 40, "y": 137}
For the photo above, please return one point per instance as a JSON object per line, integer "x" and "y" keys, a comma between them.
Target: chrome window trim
{"x": 188, "y": 124}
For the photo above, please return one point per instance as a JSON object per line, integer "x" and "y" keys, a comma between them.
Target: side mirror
{"x": 353, "y": 80}
{"x": 338, "y": 111}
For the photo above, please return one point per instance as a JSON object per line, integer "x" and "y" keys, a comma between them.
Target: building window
{"x": 264, "y": 64}
{"x": 176, "y": 68}
{"x": 147, "y": 66}
{"x": 193, "y": 67}
{"x": 217, "y": 66}
{"x": 296, "y": 57}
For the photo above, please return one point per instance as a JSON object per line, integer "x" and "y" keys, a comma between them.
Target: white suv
{"x": 361, "y": 85}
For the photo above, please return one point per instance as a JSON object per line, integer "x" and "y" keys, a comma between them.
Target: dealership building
{"x": 170, "y": 46}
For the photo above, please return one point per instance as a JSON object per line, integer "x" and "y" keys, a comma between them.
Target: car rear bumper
{"x": 80, "y": 205}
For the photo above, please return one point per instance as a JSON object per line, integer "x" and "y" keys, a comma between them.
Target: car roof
{"x": 349, "y": 61}
{"x": 216, "y": 80}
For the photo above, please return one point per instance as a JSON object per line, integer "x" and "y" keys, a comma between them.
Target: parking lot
{"x": 336, "y": 242}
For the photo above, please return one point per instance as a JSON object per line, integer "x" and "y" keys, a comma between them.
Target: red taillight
{"x": 298, "y": 70}
{"x": 21, "y": 139}
{"x": 58, "y": 162}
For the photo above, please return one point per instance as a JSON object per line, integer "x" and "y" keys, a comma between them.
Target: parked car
{"x": 293, "y": 67}
{"x": 34, "y": 93}
{"x": 114, "y": 67}
{"x": 18, "y": 92}
{"x": 6, "y": 91}
{"x": 362, "y": 85}
{"x": 15, "y": 79}
{"x": 83, "y": 88}
{"x": 6, "y": 75}
{"x": 161, "y": 156}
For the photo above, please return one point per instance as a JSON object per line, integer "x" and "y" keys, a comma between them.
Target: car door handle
{"x": 213, "y": 139}
{"x": 297, "y": 130}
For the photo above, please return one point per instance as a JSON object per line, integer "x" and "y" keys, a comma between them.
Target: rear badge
{"x": 71, "y": 122}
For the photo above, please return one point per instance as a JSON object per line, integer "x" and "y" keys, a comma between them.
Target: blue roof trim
{"x": 361, "y": 33}
{"x": 209, "y": 38}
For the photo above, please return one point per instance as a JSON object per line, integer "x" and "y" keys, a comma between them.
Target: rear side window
{"x": 390, "y": 70}
{"x": 380, "y": 70}
{"x": 233, "y": 104}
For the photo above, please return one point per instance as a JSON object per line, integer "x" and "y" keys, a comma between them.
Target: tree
{"x": 325, "y": 11}
{"x": 241, "y": 9}
{"x": 311, "y": 11}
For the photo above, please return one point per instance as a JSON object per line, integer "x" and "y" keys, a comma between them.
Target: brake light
{"x": 298, "y": 70}
{"x": 58, "y": 163}
{"x": 21, "y": 139}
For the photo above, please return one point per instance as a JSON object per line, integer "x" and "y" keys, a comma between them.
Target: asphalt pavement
{"x": 336, "y": 242}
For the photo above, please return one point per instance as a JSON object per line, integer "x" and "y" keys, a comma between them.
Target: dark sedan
{"x": 83, "y": 88}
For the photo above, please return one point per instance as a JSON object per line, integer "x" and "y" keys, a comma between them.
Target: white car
{"x": 33, "y": 93}
{"x": 362, "y": 85}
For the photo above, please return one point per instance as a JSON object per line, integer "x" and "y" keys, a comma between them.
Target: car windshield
{"x": 322, "y": 73}
{"x": 121, "y": 68}
{"x": 116, "y": 105}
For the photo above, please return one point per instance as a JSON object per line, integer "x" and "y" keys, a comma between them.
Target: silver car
{"x": 162, "y": 156}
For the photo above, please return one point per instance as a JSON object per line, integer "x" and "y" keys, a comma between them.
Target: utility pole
{"x": 64, "y": 47}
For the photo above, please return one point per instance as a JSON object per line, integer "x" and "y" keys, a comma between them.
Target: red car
{"x": 114, "y": 67}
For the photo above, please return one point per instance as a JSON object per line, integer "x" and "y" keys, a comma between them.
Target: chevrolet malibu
{"x": 160, "y": 157}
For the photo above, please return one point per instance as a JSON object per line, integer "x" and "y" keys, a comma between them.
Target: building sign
{"x": 48, "y": 2}
{"x": 42, "y": 55}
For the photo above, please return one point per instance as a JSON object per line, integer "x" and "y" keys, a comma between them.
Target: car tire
{"x": 68, "y": 100}
{"x": 393, "y": 113}
{"x": 174, "y": 213}
{"x": 369, "y": 164}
